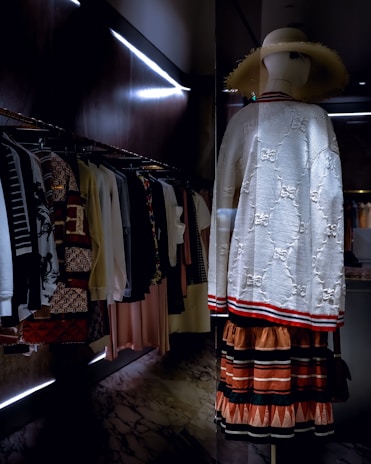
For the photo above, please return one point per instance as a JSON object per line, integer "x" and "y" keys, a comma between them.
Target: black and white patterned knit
{"x": 15, "y": 203}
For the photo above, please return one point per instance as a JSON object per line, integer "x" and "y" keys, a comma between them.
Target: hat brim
{"x": 328, "y": 76}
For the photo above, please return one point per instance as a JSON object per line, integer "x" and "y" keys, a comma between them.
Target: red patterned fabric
{"x": 54, "y": 331}
{"x": 72, "y": 237}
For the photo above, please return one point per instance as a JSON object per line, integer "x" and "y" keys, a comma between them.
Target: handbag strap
{"x": 336, "y": 343}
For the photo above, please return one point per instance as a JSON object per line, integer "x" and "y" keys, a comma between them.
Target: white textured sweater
{"x": 276, "y": 244}
{"x": 6, "y": 263}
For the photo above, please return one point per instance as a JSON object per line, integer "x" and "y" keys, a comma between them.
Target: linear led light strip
{"x": 151, "y": 64}
{"x": 28, "y": 392}
{"x": 32, "y": 390}
{"x": 355, "y": 114}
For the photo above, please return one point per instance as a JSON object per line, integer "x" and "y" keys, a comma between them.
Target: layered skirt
{"x": 273, "y": 384}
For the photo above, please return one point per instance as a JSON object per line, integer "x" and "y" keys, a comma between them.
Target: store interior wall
{"x": 183, "y": 30}
{"x": 61, "y": 65}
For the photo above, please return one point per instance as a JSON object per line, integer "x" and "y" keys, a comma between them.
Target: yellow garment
{"x": 89, "y": 192}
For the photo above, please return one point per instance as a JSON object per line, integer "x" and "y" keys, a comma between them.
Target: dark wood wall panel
{"x": 115, "y": 112}
{"x": 27, "y": 34}
{"x": 61, "y": 64}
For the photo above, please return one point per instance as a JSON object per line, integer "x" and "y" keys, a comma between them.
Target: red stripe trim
{"x": 252, "y": 304}
{"x": 284, "y": 316}
{"x": 214, "y": 298}
{"x": 281, "y": 321}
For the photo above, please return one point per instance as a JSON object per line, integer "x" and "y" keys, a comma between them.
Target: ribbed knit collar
{"x": 274, "y": 96}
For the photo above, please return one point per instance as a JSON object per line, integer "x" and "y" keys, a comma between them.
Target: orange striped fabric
{"x": 273, "y": 383}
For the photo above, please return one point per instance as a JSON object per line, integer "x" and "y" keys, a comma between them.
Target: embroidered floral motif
{"x": 314, "y": 196}
{"x": 331, "y": 230}
{"x": 261, "y": 219}
{"x": 302, "y": 227}
{"x": 280, "y": 253}
{"x": 253, "y": 280}
{"x": 245, "y": 187}
{"x": 240, "y": 248}
{"x": 299, "y": 290}
{"x": 328, "y": 295}
{"x": 300, "y": 124}
{"x": 330, "y": 164}
{"x": 267, "y": 154}
{"x": 288, "y": 192}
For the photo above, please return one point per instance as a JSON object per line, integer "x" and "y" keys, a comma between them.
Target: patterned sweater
{"x": 276, "y": 242}
{"x": 71, "y": 233}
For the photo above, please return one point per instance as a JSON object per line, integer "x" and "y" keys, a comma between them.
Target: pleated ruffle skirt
{"x": 273, "y": 384}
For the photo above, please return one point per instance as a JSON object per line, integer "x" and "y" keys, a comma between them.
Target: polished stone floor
{"x": 156, "y": 410}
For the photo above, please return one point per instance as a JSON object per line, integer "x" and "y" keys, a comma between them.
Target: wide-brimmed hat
{"x": 328, "y": 76}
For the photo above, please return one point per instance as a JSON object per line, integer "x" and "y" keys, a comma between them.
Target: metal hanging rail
{"x": 33, "y": 123}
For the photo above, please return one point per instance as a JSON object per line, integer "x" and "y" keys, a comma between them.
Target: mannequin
{"x": 286, "y": 71}
{"x": 276, "y": 244}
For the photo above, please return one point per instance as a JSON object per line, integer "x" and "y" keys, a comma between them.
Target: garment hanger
{"x": 118, "y": 155}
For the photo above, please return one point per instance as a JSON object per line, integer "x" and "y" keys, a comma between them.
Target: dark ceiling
{"x": 219, "y": 33}
{"x": 342, "y": 25}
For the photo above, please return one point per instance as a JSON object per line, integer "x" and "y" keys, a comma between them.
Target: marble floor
{"x": 156, "y": 410}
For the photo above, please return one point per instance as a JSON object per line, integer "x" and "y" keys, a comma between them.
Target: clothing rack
{"x": 112, "y": 151}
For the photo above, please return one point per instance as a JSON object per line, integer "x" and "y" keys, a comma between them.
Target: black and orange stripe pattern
{"x": 273, "y": 384}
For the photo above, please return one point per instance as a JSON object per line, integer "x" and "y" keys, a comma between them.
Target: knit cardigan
{"x": 276, "y": 241}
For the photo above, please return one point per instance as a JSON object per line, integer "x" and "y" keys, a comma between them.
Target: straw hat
{"x": 328, "y": 76}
